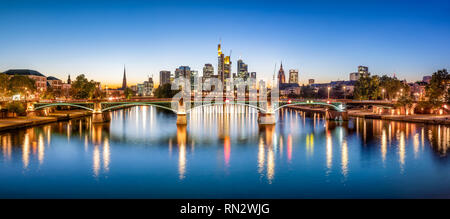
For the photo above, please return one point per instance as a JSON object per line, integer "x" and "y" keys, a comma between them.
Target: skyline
{"x": 325, "y": 41}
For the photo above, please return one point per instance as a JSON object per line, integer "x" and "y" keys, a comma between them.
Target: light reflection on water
{"x": 142, "y": 152}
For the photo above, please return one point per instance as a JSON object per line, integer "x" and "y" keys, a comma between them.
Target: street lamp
{"x": 345, "y": 93}
{"x": 382, "y": 91}
{"x": 329, "y": 88}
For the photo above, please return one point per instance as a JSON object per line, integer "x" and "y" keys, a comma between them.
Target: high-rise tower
{"x": 220, "y": 63}
{"x": 124, "y": 82}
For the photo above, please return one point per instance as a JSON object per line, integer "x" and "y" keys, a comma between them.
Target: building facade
{"x": 208, "y": 70}
{"x": 40, "y": 79}
{"x": 293, "y": 76}
{"x": 281, "y": 76}
{"x": 164, "y": 77}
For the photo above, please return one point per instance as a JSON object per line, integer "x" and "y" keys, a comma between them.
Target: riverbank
{"x": 23, "y": 121}
{"x": 418, "y": 118}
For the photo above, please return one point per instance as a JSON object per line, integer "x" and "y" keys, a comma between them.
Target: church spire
{"x": 124, "y": 82}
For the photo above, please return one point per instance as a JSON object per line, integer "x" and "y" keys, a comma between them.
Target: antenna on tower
{"x": 274, "y": 71}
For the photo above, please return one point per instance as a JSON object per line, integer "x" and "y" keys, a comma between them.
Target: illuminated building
{"x": 281, "y": 76}
{"x": 40, "y": 79}
{"x": 164, "y": 77}
{"x": 183, "y": 71}
{"x": 208, "y": 71}
{"x": 293, "y": 76}
{"x": 224, "y": 65}
{"x": 242, "y": 69}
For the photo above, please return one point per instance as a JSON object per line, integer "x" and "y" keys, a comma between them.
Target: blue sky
{"x": 325, "y": 40}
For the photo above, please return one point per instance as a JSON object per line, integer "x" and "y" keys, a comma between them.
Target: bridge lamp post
{"x": 329, "y": 88}
{"x": 345, "y": 93}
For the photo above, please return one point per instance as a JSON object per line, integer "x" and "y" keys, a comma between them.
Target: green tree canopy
{"x": 4, "y": 84}
{"x": 20, "y": 84}
{"x": 308, "y": 92}
{"x": 82, "y": 88}
{"x": 438, "y": 91}
{"x": 391, "y": 86}
{"x": 165, "y": 91}
{"x": 367, "y": 88}
{"x": 129, "y": 93}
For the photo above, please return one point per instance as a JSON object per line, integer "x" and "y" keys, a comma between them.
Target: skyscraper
{"x": 220, "y": 63}
{"x": 124, "y": 81}
{"x": 281, "y": 76}
{"x": 242, "y": 69}
{"x": 164, "y": 77}
{"x": 208, "y": 71}
{"x": 183, "y": 71}
{"x": 227, "y": 67}
{"x": 363, "y": 70}
{"x": 223, "y": 65}
{"x": 293, "y": 76}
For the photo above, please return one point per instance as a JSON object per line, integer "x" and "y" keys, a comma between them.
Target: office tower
{"x": 293, "y": 76}
{"x": 208, "y": 71}
{"x": 227, "y": 67}
{"x": 242, "y": 69}
{"x": 253, "y": 75}
{"x": 183, "y": 71}
{"x": 220, "y": 63}
{"x": 193, "y": 79}
{"x": 354, "y": 76}
{"x": 363, "y": 70}
{"x": 164, "y": 77}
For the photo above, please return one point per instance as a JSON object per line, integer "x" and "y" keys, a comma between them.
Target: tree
{"x": 322, "y": 93}
{"x": 82, "y": 88}
{"x": 165, "y": 91}
{"x": 308, "y": 92}
{"x": 367, "y": 88}
{"x": 129, "y": 93}
{"x": 49, "y": 94}
{"x": 4, "y": 84}
{"x": 391, "y": 86}
{"x": 20, "y": 84}
{"x": 437, "y": 91}
{"x": 405, "y": 101}
{"x": 337, "y": 92}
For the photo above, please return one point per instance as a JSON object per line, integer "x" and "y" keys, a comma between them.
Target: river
{"x": 223, "y": 153}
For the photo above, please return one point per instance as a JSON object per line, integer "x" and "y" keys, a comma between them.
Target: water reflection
{"x": 181, "y": 142}
{"x": 266, "y": 147}
{"x": 229, "y": 145}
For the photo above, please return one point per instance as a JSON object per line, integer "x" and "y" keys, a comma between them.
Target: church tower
{"x": 124, "y": 82}
{"x": 281, "y": 76}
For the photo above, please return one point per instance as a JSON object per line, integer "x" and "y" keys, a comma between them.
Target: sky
{"x": 324, "y": 40}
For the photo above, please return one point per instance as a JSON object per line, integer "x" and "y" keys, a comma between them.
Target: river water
{"x": 223, "y": 153}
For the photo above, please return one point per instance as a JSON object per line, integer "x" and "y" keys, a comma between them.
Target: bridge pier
{"x": 266, "y": 118}
{"x": 336, "y": 115}
{"x": 98, "y": 116}
{"x": 181, "y": 119}
{"x": 31, "y": 112}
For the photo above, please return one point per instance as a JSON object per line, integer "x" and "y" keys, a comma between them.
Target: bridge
{"x": 266, "y": 109}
